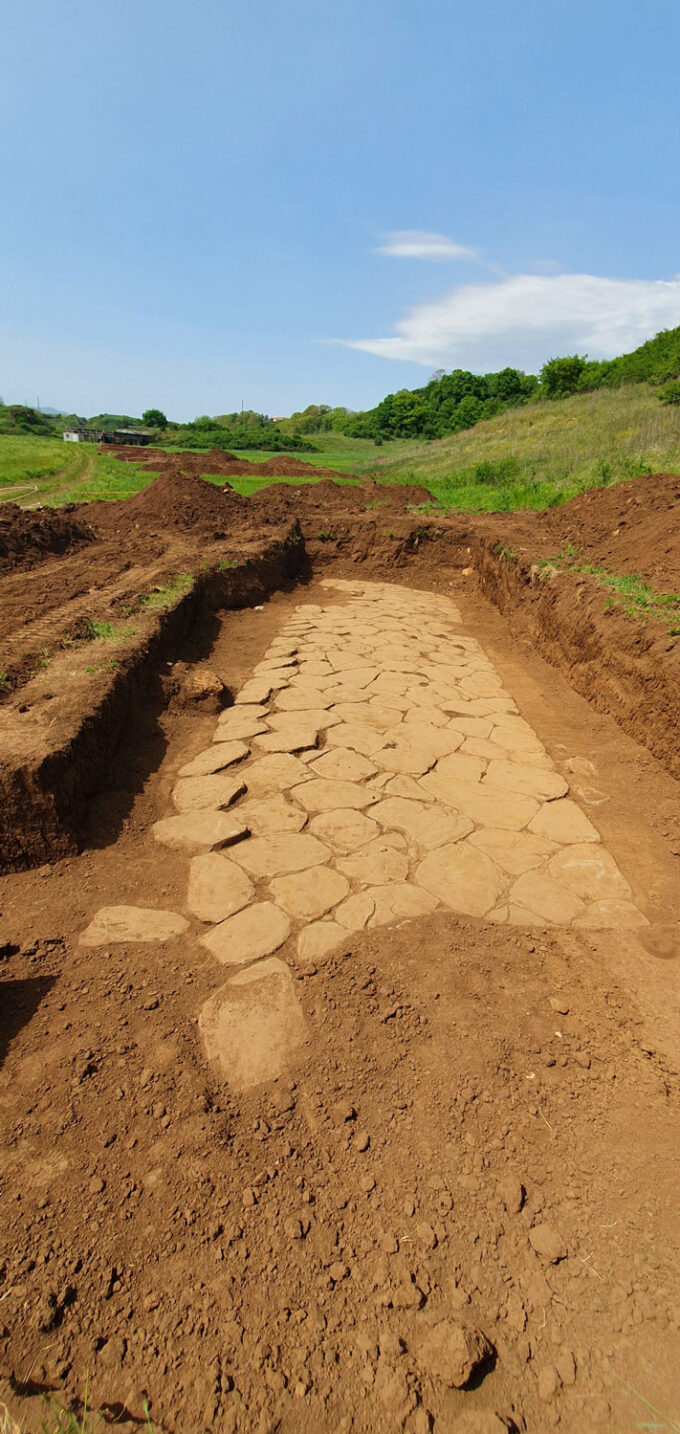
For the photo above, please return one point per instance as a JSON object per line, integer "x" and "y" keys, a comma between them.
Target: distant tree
{"x": 154, "y": 418}
{"x": 670, "y": 393}
{"x": 561, "y": 376}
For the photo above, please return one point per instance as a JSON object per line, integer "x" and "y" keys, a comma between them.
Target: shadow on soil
{"x": 19, "y": 1001}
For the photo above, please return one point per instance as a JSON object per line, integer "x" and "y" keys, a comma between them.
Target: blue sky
{"x": 230, "y": 200}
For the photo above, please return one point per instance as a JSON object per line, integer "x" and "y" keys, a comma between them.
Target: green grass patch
{"x": 627, "y": 591}
{"x": 167, "y": 595}
{"x": 108, "y": 632}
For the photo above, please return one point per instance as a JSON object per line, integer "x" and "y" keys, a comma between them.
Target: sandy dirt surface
{"x": 339, "y": 1069}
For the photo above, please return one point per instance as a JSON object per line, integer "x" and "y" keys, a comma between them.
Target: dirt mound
{"x": 632, "y": 527}
{"x": 281, "y": 500}
{"x": 217, "y": 461}
{"x": 26, "y": 536}
{"x": 174, "y": 500}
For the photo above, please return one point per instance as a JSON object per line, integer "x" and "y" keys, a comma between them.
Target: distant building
{"x": 134, "y": 437}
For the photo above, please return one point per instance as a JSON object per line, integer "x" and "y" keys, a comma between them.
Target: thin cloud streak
{"x": 418, "y": 244}
{"x": 528, "y": 318}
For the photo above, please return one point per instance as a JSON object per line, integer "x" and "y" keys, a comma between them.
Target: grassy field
{"x": 531, "y": 457}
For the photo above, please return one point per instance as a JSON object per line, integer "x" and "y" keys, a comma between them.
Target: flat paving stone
{"x": 514, "y": 739}
{"x": 407, "y": 787}
{"x": 343, "y": 765}
{"x": 278, "y": 855}
{"x": 217, "y": 887}
{"x": 355, "y": 912}
{"x": 238, "y": 728}
{"x": 192, "y": 794}
{"x": 539, "y": 893}
{"x": 344, "y": 830}
{"x": 459, "y": 767}
{"x": 307, "y": 895}
{"x": 318, "y": 718}
{"x": 253, "y": 1026}
{"x": 295, "y": 738}
{"x": 274, "y": 773}
{"x": 488, "y": 807}
{"x": 515, "y": 852}
{"x": 297, "y": 699}
{"x": 590, "y": 872}
{"x": 215, "y": 759}
{"x": 564, "y": 822}
{"x": 601, "y": 915}
{"x": 202, "y": 829}
{"x": 376, "y": 864}
{"x": 322, "y": 795}
{"x": 258, "y": 690}
{"x": 463, "y": 877}
{"x": 531, "y": 781}
{"x": 399, "y": 903}
{"x": 266, "y": 816}
{"x": 358, "y": 738}
{"x": 372, "y": 714}
{"x": 320, "y": 940}
{"x": 254, "y": 932}
{"x": 429, "y": 826}
{"x": 132, "y": 923}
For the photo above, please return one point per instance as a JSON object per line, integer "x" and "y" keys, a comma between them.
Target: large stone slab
{"x": 377, "y": 863}
{"x": 343, "y": 765}
{"x": 307, "y": 895}
{"x": 322, "y": 795}
{"x": 319, "y": 718}
{"x": 279, "y": 855}
{"x": 539, "y": 893}
{"x": 132, "y": 923}
{"x": 192, "y": 794}
{"x": 463, "y": 877}
{"x": 258, "y": 690}
{"x": 367, "y": 714}
{"x": 564, "y": 822}
{"x": 590, "y": 872}
{"x": 297, "y": 737}
{"x": 522, "y": 777}
{"x": 426, "y": 824}
{"x": 202, "y": 829}
{"x": 254, "y": 932}
{"x": 298, "y": 698}
{"x": 355, "y": 912}
{"x": 399, "y": 903}
{"x": 214, "y": 759}
{"x": 217, "y": 887}
{"x": 238, "y": 729}
{"x": 265, "y": 816}
{"x": 515, "y": 852}
{"x": 357, "y": 738}
{"x": 274, "y": 773}
{"x": 344, "y": 830}
{"x": 320, "y": 940}
{"x": 489, "y": 807}
{"x": 253, "y": 1026}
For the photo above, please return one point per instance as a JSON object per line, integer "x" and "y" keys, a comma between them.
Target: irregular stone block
{"x": 132, "y": 923}
{"x": 254, "y": 932}
{"x": 253, "y": 1026}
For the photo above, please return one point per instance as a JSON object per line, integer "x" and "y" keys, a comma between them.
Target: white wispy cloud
{"x": 417, "y": 244}
{"x": 527, "y": 318}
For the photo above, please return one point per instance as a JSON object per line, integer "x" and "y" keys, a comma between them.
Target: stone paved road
{"x": 371, "y": 770}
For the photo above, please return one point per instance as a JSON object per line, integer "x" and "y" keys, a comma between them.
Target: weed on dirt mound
{"x": 27, "y": 536}
{"x": 174, "y": 500}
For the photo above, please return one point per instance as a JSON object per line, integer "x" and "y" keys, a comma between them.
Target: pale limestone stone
{"x": 531, "y": 781}
{"x": 301, "y": 698}
{"x": 376, "y": 864}
{"x": 480, "y": 727}
{"x": 407, "y": 787}
{"x": 460, "y": 768}
{"x": 517, "y": 739}
{"x": 489, "y": 807}
{"x": 253, "y": 1026}
{"x": 193, "y": 794}
{"x": 463, "y": 877}
{"x": 320, "y": 940}
{"x": 214, "y": 759}
{"x": 309, "y": 894}
{"x": 535, "y": 759}
{"x": 589, "y": 872}
{"x": 399, "y": 903}
{"x": 515, "y": 852}
{"x": 258, "y": 690}
{"x": 279, "y": 854}
{"x": 345, "y": 831}
{"x": 239, "y": 727}
{"x": 345, "y": 694}
{"x": 368, "y": 714}
{"x": 540, "y": 893}
{"x": 358, "y": 738}
{"x": 427, "y": 825}
{"x": 202, "y": 829}
{"x": 359, "y": 676}
{"x": 431, "y": 719}
{"x": 322, "y": 795}
{"x": 482, "y": 684}
{"x": 600, "y": 915}
{"x": 281, "y": 647}
{"x": 355, "y": 912}
{"x": 217, "y": 887}
{"x": 254, "y": 932}
{"x": 315, "y": 667}
{"x": 132, "y": 923}
{"x": 296, "y": 738}
{"x": 564, "y": 822}
{"x": 343, "y": 765}
{"x": 274, "y": 773}
{"x": 318, "y": 718}
{"x": 266, "y": 816}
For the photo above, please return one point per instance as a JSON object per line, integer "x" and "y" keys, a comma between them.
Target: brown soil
{"x": 219, "y": 461}
{"x": 242, "y": 1263}
{"x": 28, "y": 536}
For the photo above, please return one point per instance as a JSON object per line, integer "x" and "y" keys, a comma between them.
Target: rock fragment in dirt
{"x": 192, "y": 794}
{"x": 132, "y": 923}
{"x": 254, "y": 932}
{"x": 201, "y": 687}
{"x": 548, "y": 1383}
{"x": 511, "y": 1191}
{"x": 253, "y": 1026}
{"x": 192, "y": 830}
{"x": 218, "y": 888}
{"x": 451, "y": 1352}
{"x": 559, "y": 1004}
{"x": 548, "y": 1243}
{"x": 214, "y": 759}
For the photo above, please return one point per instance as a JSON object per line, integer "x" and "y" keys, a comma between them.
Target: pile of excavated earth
{"x": 339, "y": 1029}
